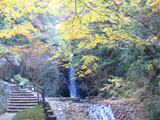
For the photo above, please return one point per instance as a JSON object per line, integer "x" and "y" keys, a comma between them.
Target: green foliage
{"x": 152, "y": 110}
{"x": 118, "y": 87}
{"x": 36, "y": 113}
{"x": 20, "y": 79}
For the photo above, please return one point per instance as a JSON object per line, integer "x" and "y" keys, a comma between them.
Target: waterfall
{"x": 72, "y": 84}
{"x": 101, "y": 112}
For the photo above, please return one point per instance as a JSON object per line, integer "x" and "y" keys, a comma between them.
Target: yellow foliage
{"x": 93, "y": 22}
{"x": 89, "y": 59}
{"x": 116, "y": 79}
{"x": 13, "y": 9}
{"x": 34, "y": 49}
{"x": 156, "y": 5}
{"x": 106, "y": 87}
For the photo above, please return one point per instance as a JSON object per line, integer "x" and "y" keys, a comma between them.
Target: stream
{"x": 101, "y": 112}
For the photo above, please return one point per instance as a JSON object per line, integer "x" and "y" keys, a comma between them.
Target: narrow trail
{"x": 7, "y": 116}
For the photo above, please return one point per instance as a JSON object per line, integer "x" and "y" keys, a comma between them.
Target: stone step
{"x": 19, "y": 107}
{"x": 15, "y": 89}
{"x": 20, "y": 94}
{"x": 22, "y": 104}
{"x": 34, "y": 101}
{"x": 22, "y": 99}
{"x": 49, "y": 112}
{"x": 51, "y": 117}
{"x": 18, "y": 90}
{"x": 12, "y": 86}
{"x": 13, "y": 111}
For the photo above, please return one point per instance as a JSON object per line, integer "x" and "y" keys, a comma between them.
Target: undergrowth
{"x": 36, "y": 113}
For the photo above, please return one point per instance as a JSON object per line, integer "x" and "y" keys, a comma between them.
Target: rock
{"x": 76, "y": 99}
{"x": 53, "y": 79}
{"x": 62, "y": 98}
{"x": 113, "y": 98}
{"x": 9, "y": 65}
{"x": 4, "y": 96}
{"x": 66, "y": 108}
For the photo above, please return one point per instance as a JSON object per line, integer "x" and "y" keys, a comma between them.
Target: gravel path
{"x": 7, "y": 116}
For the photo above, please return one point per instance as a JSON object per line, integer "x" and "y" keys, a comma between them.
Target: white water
{"x": 101, "y": 112}
{"x": 72, "y": 85}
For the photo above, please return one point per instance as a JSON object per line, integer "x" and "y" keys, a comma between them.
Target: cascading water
{"x": 101, "y": 112}
{"x": 72, "y": 84}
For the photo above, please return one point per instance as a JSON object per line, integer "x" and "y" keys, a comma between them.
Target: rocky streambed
{"x": 73, "y": 109}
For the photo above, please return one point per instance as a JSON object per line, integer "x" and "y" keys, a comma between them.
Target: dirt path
{"x": 7, "y": 116}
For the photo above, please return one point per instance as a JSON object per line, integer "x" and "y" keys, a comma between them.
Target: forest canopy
{"x": 83, "y": 25}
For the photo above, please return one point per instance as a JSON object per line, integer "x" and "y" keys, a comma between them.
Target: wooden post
{"x": 37, "y": 68}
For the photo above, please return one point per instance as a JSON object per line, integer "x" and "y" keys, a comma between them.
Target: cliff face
{"x": 4, "y": 96}
{"x": 52, "y": 78}
{"x": 55, "y": 82}
{"x": 9, "y": 66}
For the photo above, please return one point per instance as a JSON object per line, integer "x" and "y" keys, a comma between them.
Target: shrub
{"x": 36, "y": 113}
{"x": 20, "y": 79}
{"x": 152, "y": 110}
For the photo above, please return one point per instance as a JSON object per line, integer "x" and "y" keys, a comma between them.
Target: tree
{"x": 33, "y": 52}
{"x": 93, "y": 24}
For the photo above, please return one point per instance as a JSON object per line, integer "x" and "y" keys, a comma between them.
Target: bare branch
{"x": 77, "y": 12}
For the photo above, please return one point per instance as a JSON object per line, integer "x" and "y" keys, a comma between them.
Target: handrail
{"x": 41, "y": 90}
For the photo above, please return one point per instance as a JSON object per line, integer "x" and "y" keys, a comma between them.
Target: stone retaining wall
{"x": 4, "y": 96}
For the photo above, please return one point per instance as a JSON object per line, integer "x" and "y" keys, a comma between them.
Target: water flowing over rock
{"x": 72, "y": 85}
{"x": 101, "y": 112}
